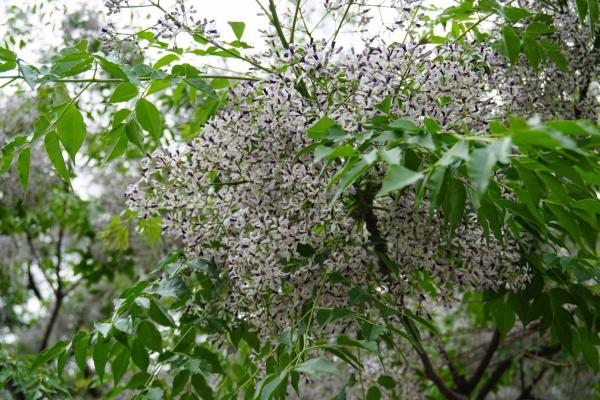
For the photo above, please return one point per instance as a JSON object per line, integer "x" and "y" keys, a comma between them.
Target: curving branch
{"x": 460, "y": 381}
{"x": 428, "y": 366}
{"x": 493, "y": 380}
{"x": 58, "y": 292}
{"x": 31, "y": 283}
{"x": 526, "y": 392}
{"x": 484, "y": 363}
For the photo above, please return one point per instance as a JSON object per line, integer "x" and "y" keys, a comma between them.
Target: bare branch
{"x": 494, "y": 378}
{"x": 58, "y": 292}
{"x": 428, "y": 367}
{"x": 485, "y": 362}
{"x": 32, "y": 285}
{"x": 37, "y": 258}
{"x": 459, "y": 379}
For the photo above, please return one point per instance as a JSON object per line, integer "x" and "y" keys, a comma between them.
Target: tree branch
{"x": 31, "y": 284}
{"x": 428, "y": 367}
{"x": 484, "y": 363}
{"x": 36, "y": 257}
{"x": 58, "y": 293}
{"x": 526, "y": 392}
{"x": 459, "y": 379}
{"x": 494, "y": 378}
{"x": 364, "y": 211}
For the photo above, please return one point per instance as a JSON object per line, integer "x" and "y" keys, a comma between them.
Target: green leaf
{"x": 179, "y": 382}
{"x": 52, "y": 145}
{"x": 119, "y": 365}
{"x": 149, "y": 335}
{"x": 39, "y": 126}
{"x": 331, "y": 153}
{"x": 158, "y": 85}
{"x": 373, "y": 393}
{"x": 358, "y": 296}
{"x": 397, "y": 177}
{"x": 455, "y": 204}
{"x": 319, "y": 130}
{"x": 392, "y": 156}
{"x": 349, "y": 177}
{"x": 80, "y": 346}
{"x": 371, "y": 331}
{"x": 134, "y": 134}
{"x": 326, "y": 316}
{"x": 8, "y": 154}
{"x": 159, "y": 315}
{"x": 318, "y": 366}
{"x": 582, "y": 9}
{"x": 116, "y": 69}
{"x": 212, "y": 359}
{"x": 369, "y": 345}
{"x": 100, "y": 356}
{"x": 156, "y": 393}
{"x": 201, "y": 387}
{"x": 514, "y": 14}
{"x": 72, "y": 60}
{"x": 237, "y": 28}
{"x": 512, "y": 44}
{"x": 165, "y": 60}
{"x": 139, "y": 354}
{"x": 460, "y": 151}
{"x": 270, "y": 384}
{"x": 480, "y": 167}
{"x": 593, "y": 13}
{"x": 7, "y": 55}
{"x": 555, "y": 54}
{"x": 566, "y": 221}
{"x": 123, "y": 92}
{"x": 483, "y": 160}
{"x": 138, "y": 380}
{"x": 590, "y": 354}
{"x": 7, "y": 66}
{"x": 29, "y": 73}
{"x": 71, "y": 130}
{"x": 120, "y": 147}
{"x": 62, "y": 361}
{"x": 422, "y": 321}
{"x": 503, "y": 315}
{"x": 386, "y": 381}
{"x": 305, "y": 250}
{"x": 49, "y": 354}
{"x": 538, "y": 28}
{"x": 532, "y": 51}
{"x": 561, "y": 328}
{"x": 23, "y": 164}
{"x": 149, "y": 118}
{"x": 404, "y": 124}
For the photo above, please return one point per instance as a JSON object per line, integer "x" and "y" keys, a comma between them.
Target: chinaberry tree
{"x": 391, "y": 200}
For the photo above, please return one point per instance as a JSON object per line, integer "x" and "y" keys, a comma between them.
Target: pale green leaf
{"x": 71, "y": 130}
{"x": 398, "y": 177}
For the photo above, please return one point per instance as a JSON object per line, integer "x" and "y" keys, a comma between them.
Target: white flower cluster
{"x": 552, "y": 92}
{"x": 421, "y": 242}
{"x": 239, "y": 195}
